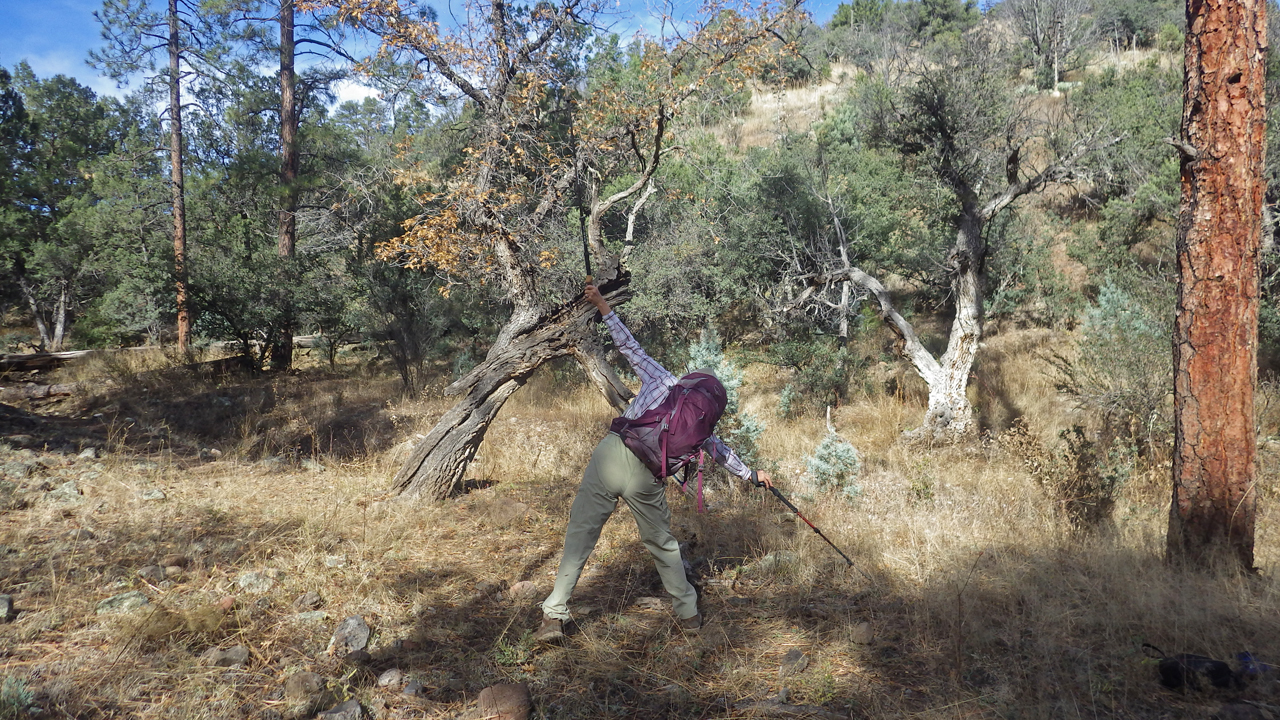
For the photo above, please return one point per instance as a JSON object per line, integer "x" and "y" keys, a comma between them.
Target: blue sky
{"x": 55, "y": 36}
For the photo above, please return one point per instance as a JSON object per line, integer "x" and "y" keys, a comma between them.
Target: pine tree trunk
{"x": 176, "y": 180}
{"x": 438, "y": 461}
{"x": 1215, "y": 335}
{"x": 287, "y": 225}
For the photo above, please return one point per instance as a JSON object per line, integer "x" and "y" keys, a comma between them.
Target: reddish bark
{"x": 1215, "y": 336}
{"x": 287, "y": 234}
{"x": 179, "y": 198}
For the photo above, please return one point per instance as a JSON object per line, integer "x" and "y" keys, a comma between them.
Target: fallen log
{"x": 40, "y": 361}
{"x": 37, "y": 392}
{"x": 208, "y": 369}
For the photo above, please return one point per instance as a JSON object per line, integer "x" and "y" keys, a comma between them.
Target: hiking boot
{"x": 691, "y": 623}
{"x": 552, "y": 630}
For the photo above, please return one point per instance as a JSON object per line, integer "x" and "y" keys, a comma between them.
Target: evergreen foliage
{"x": 741, "y": 430}
{"x": 1124, "y": 369}
{"x": 16, "y": 699}
{"x": 835, "y": 465}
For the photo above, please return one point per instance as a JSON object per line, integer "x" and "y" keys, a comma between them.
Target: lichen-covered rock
{"x": 122, "y": 603}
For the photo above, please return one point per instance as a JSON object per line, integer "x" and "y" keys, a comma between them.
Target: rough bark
{"x": 60, "y": 310}
{"x": 1215, "y": 334}
{"x": 950, "y": 414}
{"x": 176, "y": 180}
{"x": 28, "y": 293}
{"x": 287, "y": 220}
{"x": 591, "y": 358}
{"x": 439, "y": 460}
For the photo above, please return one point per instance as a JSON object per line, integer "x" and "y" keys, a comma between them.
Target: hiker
{"x": 616, "y": 471}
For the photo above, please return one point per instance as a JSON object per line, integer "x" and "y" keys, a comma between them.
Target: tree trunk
{"x": 590, "y": 357}
{"x": 176, "y": 180}
{"x": 1215, "y": 335}
{"x": 60, "y": 310}
{"x": 950, "y": 414}
{"x": 843, "y": 310}
{"x": 41, "y": 326}
{"x": 439, "y": 460}
{"x": 287, "y": 225}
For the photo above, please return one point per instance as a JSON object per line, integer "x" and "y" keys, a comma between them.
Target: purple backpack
{"x": 666, "y": 437}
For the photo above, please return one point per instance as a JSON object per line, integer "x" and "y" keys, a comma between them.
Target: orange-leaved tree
{"x": 549, "y": 138}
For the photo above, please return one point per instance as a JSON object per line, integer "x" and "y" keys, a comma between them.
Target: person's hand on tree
{"x": 595, "y": 298}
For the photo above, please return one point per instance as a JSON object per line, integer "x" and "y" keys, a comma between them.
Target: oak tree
{"x": 543, "y": 142}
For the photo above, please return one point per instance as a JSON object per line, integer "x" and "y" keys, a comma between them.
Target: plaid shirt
{"x": 655, "y": 381}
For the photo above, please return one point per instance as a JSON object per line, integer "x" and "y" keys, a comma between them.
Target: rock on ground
{"x": 231, "y": 657}
{"x": 506, "y": 702}
{"x": 306, "y": 692}
{"x": 391, "y": 678}
{"x": 122, "y": 603}
{"x": 523, "y": 590}
{"x": 255, "y": 582}
{"x": 794, "y": 662}
{"x": 349, "y": 710}
{"x": 7, "y": 612}
{"x": 68, "y": 491}
{"x": 352, "y": 634}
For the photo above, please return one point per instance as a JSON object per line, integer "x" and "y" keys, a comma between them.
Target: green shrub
{"x": 16, "y": 699}
{"x": 740, "y": 430}
{"x": 1124, "y": 369}
{"x": 835, "y": 465}
{"x": 823, "y": 368}
{"x": 1083, "y": 475}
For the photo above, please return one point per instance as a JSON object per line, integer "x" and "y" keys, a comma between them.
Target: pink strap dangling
{"x": 702, "y": 458}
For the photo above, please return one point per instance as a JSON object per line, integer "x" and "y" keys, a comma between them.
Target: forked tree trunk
{"x": 439, "y": 460}
{"x": 46, "y": 341}
{"x": 950, "y": 414}
{"x": 60, "y": 310}
{"x": 1216, "y": 332}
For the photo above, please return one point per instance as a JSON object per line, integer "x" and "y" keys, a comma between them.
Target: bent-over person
{"x": 615, "y": 471}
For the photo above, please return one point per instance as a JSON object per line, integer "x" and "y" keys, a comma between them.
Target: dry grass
{"x": 978, "y": 599}
{"x": 777, "y": 111}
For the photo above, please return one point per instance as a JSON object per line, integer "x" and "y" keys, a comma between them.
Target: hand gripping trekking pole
{"x": 778, "y": 494}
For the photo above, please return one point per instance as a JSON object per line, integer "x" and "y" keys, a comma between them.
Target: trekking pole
{"x": 586, "y": 250}
{"x": 778, "y": 494}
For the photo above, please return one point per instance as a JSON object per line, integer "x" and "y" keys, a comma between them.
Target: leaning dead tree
{"x": 956, "y": 120}
{"x": 545, "y": 143}
{"x": 1215, "y": 341}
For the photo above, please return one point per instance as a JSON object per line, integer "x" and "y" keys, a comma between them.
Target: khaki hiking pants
{"x": 615, "y": 472}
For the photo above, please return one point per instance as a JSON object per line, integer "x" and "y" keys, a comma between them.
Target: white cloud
{"x": 46, "y": 65}
{"x": 353, "y": 90}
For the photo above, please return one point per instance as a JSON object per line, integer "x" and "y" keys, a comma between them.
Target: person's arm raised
{"x": 595, "y": 298}
{"x": 649, "y": 370}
